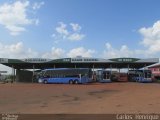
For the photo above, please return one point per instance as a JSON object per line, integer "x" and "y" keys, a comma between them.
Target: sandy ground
{"x": 80, "y": 99}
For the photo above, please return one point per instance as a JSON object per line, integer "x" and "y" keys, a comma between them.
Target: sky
{"x": 88, "y": 28}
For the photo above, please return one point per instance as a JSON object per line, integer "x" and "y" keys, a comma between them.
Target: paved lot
{"x": 91, "y": 98}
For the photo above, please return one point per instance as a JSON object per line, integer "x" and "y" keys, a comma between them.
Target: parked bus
{"x": 103, "y": 76}
{"x": 140, "y": 75}
{"x": 119, "y": 77}
{"x": 65, "y": 75}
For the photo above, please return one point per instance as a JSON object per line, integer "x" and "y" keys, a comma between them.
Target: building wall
{"x": 155, "y": 71}
{"x": 2, "y": 77}
{"x": 24, "y": 76}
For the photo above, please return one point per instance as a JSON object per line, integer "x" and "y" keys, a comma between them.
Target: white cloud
{"x": 15, "y": 30}
{"x": 80, "y": 52}
{"x": 124, "y": 51}
{"x": 13, "y": 16}
{"x": 55, "y": 53}
{"x": 36, "y": 21}
{"x": 16, "y": 50}
{"x": 151, "y": 38}
{"x": 37, "y": 5}
{"x": 62, "y": 32}
{"x": 76, "y": 37}
{"x": 150, "y": 44}
{"x": 61, "y": 29}
{"x": 111, "y": 52}
{"x": 75, "y": 27}
{"x": 19, "y": 51}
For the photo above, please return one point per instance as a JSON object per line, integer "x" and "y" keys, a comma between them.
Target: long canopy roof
{"x": 78, "y": 62}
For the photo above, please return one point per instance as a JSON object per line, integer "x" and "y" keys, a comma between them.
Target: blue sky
{"x": 69, "y": 28}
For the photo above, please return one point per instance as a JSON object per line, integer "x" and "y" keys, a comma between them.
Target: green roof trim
{"x": 124, "y": 60}
{"x": 15, "y": 61}
{"x": 64, "y": 60}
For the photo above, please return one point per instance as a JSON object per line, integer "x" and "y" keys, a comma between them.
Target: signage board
{"x": 36, "y": 60}
{"x": 3, "y": 71}
{"x": 3, "y": 60}
{"x": 84, "y": 59}
{"x": 125, "y": 59}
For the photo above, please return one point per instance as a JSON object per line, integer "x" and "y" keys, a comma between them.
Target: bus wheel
{"x": 70, "y": 81}
{"x": 45, "y": 82}
{"x": 75, "y": 81}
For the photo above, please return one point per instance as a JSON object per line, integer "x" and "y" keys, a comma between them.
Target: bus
{"x": 65, "y": 75}
{"x": 119, "y": 77}
{"x": 103, "y": 76}
{"x": 140, "y": 76}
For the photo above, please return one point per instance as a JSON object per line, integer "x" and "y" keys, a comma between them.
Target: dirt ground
{"x": 80, "y": 99}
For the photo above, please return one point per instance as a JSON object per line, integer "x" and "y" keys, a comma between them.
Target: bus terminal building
{"x": 20, "y": 66}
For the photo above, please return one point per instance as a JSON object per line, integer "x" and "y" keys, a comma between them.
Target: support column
{"x": 93, "y": 76}
{"x": 144, "y": 65}
{"x": 93, "y": 67}
{"x": 111, "y": 68}
{"x": 128, "y": 67}
{"x": 110, "y": 72}
{"x": 17, "y": 75}
{"x": 128, "y": 72}
{"x": 33, "y": 75}
{"x": 144, "y": 70}
{"x": 13, "y": 74}
{"x": 75, "y": 66}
